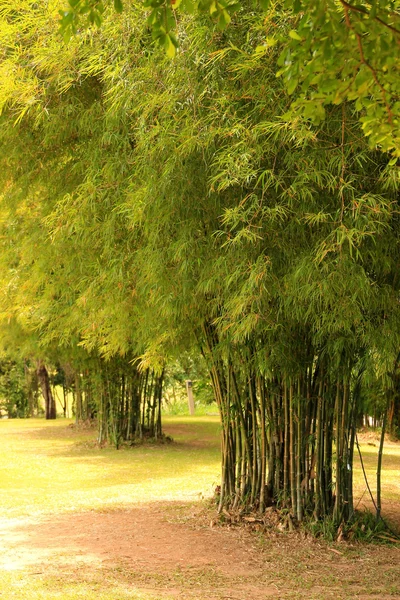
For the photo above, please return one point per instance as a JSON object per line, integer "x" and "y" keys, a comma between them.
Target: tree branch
{"x": 363, "y": 11}
{"x": 366, "y": 63}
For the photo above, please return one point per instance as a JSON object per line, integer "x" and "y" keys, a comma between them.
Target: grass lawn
{"x": 49, "y": 467}
{"x": 60, "y": 493}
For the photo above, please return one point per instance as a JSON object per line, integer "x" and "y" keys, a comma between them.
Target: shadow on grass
{"x": 202, "y": 430}
{"x": 68, "y": 440}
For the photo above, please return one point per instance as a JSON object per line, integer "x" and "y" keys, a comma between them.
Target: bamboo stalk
{"x": 286, "y": 444}
{"x": 337, "y": 510}
{"x": 292, "y": 452}
{"x": 318, "y": 456}
{"x": 261, "y": 388}
{"x": 379, "y": 466}
{"x": 298, "y": 453}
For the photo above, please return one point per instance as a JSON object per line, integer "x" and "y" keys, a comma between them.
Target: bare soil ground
{"x": 175, "y": 550}
{"x": 169, "y": 551}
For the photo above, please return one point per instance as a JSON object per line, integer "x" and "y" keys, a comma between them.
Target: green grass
{"x": 180, "y": 408}
{"x": 42, "y": 587}
{"x": 39, "y": 457}
{"x": 369, "y": 444}
{"x": 42, "y": 456}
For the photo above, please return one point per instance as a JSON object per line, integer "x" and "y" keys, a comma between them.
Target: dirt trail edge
{"x": 162, "y": 549}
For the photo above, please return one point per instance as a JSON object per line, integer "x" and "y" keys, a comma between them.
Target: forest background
{"x": 204, "y": 210}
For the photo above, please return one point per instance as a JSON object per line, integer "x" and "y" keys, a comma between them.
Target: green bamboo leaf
{"x": 169, "y": 46}
{"x": 188, "y": 6}
{"x": 294, "y": 35}
{"x": 291, "y": 85}
{"x": 224, "y": 19}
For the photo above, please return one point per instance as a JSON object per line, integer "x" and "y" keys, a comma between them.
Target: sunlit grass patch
{"x": 390, "y": 469}
{"x": 41, "y": 586}
{"x": 38, "y": 458}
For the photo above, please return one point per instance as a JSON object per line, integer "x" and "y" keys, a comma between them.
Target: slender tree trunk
{"x": 30, "y": 393}
{"x": 49, "y": 402}
{"x": 263, "y": 444}
{"x": 379, "y": 467}
{"x": 78, "y": 399}
{"x": 65, "y": 401}
{"x": 286, "y": 450}
{"x": 299, "y": 453}
{"x": 292, "y": 452}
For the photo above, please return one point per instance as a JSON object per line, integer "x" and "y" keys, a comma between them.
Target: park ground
{"x": 83, "y": 522}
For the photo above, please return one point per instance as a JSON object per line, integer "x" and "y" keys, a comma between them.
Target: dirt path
{"x": 148, "y": 543}
{"x": 162, "y": 549}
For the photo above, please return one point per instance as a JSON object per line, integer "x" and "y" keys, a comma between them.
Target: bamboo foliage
{"x": 150, "y": 207}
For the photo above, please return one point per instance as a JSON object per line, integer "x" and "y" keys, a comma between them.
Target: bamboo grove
{"x": 152, "y": 206}
{"x": 125, "y": 401}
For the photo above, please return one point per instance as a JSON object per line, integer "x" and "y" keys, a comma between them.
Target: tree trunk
{"x": 379, "y": 468}
{"x": 49, "y": 402}
{"x": 78, "y": 398}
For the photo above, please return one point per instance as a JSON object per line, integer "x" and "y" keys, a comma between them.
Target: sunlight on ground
{"x": 369, "y": 444}
{"x": 37, "y": 457}
{"x": 40, "y": 587}
{"x": 52, "y": 468}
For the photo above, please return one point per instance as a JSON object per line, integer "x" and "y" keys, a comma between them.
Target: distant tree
{"x": 49, "y": 400}
{"x": 13, "y": 388}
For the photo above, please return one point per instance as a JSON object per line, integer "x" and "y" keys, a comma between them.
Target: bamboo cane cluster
{"x": 125, "y": 401}
{"x": 286, "y": 440}
{"x": 128, "y": 403}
